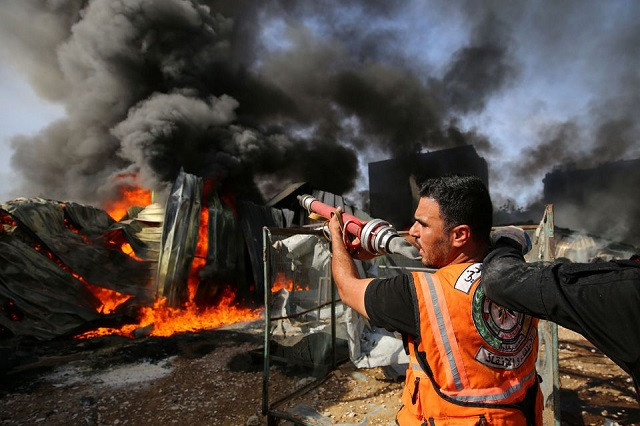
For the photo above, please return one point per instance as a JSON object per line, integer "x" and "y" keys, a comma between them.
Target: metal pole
{"x": 333, "y": 324}
{"x": 266, "y": 255}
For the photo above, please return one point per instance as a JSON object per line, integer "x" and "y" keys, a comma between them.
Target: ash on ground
{"x": 214, "y": 378}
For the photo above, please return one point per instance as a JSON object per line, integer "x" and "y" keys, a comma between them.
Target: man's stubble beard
{"x": 438, "y": 256}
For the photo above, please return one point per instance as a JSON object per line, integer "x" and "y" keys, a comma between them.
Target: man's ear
{"x": 460, "y": 235}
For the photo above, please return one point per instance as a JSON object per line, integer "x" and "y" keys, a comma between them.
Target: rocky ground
{"x": 216, "y": 378}
{"x": 593, "y": 390}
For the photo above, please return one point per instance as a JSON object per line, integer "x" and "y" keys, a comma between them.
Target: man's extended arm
{"x": 509, "y": 281}
{"x": 553, "y": 291}
{"x": 598, "y": 300}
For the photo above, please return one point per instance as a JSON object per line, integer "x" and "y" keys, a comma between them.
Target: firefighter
{"x": 471, "y": 361}
{"x": 599, "y": 300}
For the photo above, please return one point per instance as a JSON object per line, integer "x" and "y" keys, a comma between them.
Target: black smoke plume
{"x": 151, "y": 87}
{"x": 257, "y": 94}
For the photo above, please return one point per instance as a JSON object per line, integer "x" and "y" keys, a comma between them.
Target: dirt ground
{"x": 215, "y": 377}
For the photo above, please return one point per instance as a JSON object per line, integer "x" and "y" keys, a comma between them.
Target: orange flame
{"x": 200, "y": 258}
{"x": 282, "y": 282}
{"x": 203, "y": 233}
{"x": 128, "y": 250}
{"x": 129, "y": 196}
{"x": 110, "y": 299}
{"x": 167, "y": 321}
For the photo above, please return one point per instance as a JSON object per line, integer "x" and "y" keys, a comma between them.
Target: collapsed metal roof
{"x": 47, "y": 250}
{"x": 50, "y": 252}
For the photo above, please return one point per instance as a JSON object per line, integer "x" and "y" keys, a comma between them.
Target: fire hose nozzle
{"x": 306, "y": 200}
{"x": 376, "y": 236}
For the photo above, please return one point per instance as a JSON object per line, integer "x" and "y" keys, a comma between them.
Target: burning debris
{"x": 157, "y": 272}
{"x": 60, "y": 271}
{"x": 179, "y": 239}
{"x": 68, "y": 267}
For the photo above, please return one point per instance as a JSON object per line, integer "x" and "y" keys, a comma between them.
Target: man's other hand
{"x": 513, "y": 233}
{"x": 335, "y": 224}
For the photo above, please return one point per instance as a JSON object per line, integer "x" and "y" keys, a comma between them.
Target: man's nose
{"x": 413, "y": 231}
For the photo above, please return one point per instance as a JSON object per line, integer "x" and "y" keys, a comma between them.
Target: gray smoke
{"x": 604, "y": 130}
{"x": 259, "y": 94}
{"x": 151, "y": 87}
{"x": 607, "y": 129}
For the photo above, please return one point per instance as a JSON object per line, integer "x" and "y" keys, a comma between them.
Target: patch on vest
{"x": 509, "y": 335}
{"x": 469, "y": 276}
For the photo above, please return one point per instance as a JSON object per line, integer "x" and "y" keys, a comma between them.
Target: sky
{"x": 257, "y": 95}
{"x": 21, "y": 112}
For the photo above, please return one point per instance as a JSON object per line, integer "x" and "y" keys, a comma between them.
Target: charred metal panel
{"x": 224, "y": 252}
{"x": 90, "y": 220}
{"x": 179, "y": 238}
{"x": 48, "y": 300}
{"x": 225, "y": 263}
{"x": 100, "y": 266}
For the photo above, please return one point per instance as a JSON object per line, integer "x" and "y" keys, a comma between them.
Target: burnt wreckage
{"x": 60, "y": 261}
{"x": 52, "y": 255}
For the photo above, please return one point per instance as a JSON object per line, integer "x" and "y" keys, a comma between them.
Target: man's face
{"x": 429, "y": 233}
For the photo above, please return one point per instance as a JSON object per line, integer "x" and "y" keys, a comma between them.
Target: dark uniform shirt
{"x": 389, "y": 304}
{"x": 600, "y": 300}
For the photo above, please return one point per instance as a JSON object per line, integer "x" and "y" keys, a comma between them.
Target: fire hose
{"x": 376, "y": 236}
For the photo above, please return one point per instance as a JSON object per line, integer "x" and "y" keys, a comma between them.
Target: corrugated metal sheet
{"x": 179, "y": 239}
{"x": 41, "y": 257}
{"x": 50, "y": 302}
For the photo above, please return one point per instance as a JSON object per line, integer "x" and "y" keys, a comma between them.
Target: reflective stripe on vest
{"x": 442, "y": 331}
{"x": 477, "y": 398}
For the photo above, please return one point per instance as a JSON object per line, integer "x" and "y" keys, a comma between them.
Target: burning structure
{"x": 63, "y": 267}
{"x": 68, "y": 267}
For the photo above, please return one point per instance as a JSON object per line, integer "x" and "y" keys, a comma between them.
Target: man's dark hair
{"x": 462, "y": 200}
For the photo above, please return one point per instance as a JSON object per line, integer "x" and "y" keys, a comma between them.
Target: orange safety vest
{"x": 473, "y": 360}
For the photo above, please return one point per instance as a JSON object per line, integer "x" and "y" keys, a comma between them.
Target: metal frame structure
{"x": 270, "y": 409}
{"x": 543, "y": 249}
